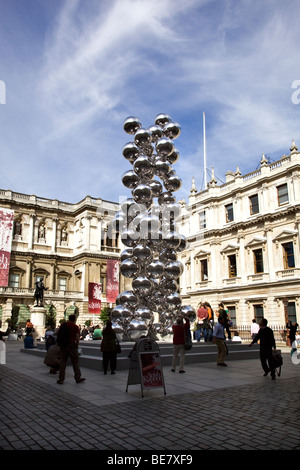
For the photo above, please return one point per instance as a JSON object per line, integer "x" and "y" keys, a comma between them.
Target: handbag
{"x": 188, "y": 344}
{"x": 118, "y": 347}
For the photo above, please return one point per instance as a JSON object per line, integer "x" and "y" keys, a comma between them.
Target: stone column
{"x": 30, "y": 234}
{"x": 38, "y": 319}
{"x": 54, "y": 220}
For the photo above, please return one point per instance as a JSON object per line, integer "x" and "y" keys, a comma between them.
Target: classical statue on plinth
{"x": 39, "y": 292}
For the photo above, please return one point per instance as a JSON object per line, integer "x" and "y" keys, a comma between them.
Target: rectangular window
{"x": 202, "y": 219}
{"x": 283, "y": 195}
{"x": 204, "y": 270}
{"x": 258, "y": 313}
{"x": 258, "y": 261}
{"x": 232, "y": 313}
{"x": 229, "y": 212}
{"x": 288, "y": 255}
{"x": 14, "y": 280}
{"x": 62, "y": 283}
{"x": 291, "y": 311}
{"x": 254, "y": 205}
{"x": 232, "y": 266}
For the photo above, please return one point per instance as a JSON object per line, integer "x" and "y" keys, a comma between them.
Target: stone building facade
{"x": 66, "y": 244}
{"x": 243, "y": 243}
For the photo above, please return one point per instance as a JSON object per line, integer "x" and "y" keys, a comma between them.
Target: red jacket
{"x": 180, "y": 331}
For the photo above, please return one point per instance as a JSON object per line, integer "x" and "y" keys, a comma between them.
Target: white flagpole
{"x": 204, "y": 151}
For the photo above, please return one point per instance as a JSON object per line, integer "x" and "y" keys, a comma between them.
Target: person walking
{"x": 109, "y": 348}
{"x": 219, "y": 340}
{"x": 266, "y": 338}
{"x": 68, "y": 341}
{"x": 180, "y": 330}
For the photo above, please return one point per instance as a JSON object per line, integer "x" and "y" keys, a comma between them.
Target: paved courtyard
{"x": 207, "y": 408}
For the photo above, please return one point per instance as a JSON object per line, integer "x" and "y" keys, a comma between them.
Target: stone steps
{"x": 91, "y": 356}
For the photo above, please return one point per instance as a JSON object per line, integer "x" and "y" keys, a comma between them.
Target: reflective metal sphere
{"x": 131, "y": 125}
{"x": 172, "y": 130}
{"x": 164, "y": 147}
{"x": 131, "y": 152}
{"x": 162, "y": 119}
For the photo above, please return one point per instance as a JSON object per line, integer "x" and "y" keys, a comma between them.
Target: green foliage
{"x": 51, "y": 317}
{"x": 104, "y": 315}
{"x": 14, "y": 317}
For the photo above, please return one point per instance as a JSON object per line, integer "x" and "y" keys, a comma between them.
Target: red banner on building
{"x": 112, "y": 280}
{"x": 95, "y": 291}
{"x": 6, "y": 231}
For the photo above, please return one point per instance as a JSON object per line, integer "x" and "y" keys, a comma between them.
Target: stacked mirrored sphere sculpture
{"x": 146, "y": 222}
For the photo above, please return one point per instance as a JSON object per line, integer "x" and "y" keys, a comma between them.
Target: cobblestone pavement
{"x": 249, "y": 412}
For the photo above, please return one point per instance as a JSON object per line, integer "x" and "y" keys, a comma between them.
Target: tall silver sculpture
{"x": 146, "y": 222}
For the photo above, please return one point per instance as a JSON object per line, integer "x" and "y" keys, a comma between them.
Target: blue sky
{"x": 74, "y": 70}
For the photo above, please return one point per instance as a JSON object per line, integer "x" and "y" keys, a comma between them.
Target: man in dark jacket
{"x": 267, "y": 341}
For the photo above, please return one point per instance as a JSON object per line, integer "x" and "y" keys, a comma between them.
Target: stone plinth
{"x": 38, "y": 319}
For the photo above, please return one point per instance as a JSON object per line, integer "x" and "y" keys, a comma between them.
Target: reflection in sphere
{"x": 126, "y": 254}
{"x": 129, "y": 237}
{"x": 156, "y": 133}
{"x": 142, "y": 138}
{"x": 127, "y": 299}
{"x": 168, "y": 254}
{"x": 131, "y": 125}
{"x": 173, "y": 270}
{"x": 142, "y": 194}
{"x": 172, "y": 240}
{"x": 172, "y": 183}
{"x": 173, "y": 157}
{"x": 166, "y": 198}
{"x": 188, "y": 311}
{"x": 129, "y": 268}
{"x": 161, "y": 119}
{"x": 172, "y": 130}
{"x": 141, "y": 252}
{"x": 143, "y": 167}
{"x": 173, "y": 301}
{"x": 156, "y": 188}
{"x": 161, "y": 168}
{"x": 130, "y": 179}
{"x": 120, "y": 311}
{"x": 155, "y": 269}
{"x": 142, "y": 285}
{"x": 164, "y": 147}
{"x": 131, "y": 152}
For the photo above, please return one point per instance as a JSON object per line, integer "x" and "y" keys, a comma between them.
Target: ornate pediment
{"x": 230, "y": 248}
{"x": 287, "y": 233}
{"x": 256, "y": 240}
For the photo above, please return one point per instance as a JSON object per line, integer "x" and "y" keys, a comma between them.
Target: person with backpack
{"x": 68, "y": 341}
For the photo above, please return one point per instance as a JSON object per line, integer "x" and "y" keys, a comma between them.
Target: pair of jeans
{"x": 201, "y": 332}
{"x": 178, "y": 350}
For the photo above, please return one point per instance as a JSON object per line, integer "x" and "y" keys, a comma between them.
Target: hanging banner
{"x": 6, "y": 231}
{"x": 112, "y": 280}
{"x": 95, "y": 291}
